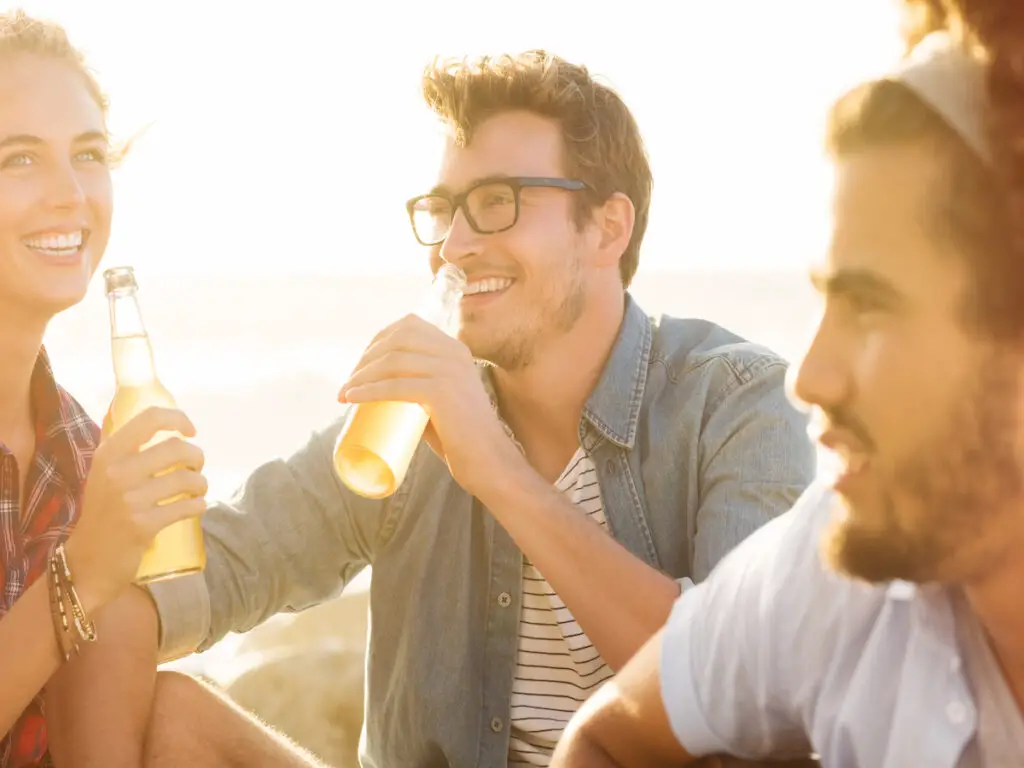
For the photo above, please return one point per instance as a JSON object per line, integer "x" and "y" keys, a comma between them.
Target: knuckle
{"x": 113, "y": 474}
{"x": 177, "y": 446}
{"x": 192, "y": 455}
{"x": 152, "y": 415}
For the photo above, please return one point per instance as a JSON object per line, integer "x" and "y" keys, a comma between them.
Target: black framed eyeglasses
{"x": 491, "y": 206}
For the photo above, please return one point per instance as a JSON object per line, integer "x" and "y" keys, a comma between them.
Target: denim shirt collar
{"x": 613, "y": 408}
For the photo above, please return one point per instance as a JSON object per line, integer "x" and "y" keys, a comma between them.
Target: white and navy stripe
{"x": 557, "y": 667}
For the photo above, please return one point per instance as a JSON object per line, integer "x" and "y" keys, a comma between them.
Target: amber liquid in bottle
{"x": 178, "y": 549}
{"x": 378, "y": 441}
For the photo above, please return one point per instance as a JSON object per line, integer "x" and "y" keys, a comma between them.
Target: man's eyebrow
{"x": 848, "y": 282}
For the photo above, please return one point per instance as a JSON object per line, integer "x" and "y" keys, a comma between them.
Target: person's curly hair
{"x": 980, "y": 201}
{"x": 919, "y": 18}
{"x": 998, "y": 26}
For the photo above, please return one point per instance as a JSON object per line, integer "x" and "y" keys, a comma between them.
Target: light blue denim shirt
{"x": 695, "y": 447}
{"x": 776, "y": 656}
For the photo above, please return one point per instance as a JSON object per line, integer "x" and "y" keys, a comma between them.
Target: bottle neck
{"x": 130, "y": 347}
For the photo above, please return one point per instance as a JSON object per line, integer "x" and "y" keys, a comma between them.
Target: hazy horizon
{"x": 256, "y": 362}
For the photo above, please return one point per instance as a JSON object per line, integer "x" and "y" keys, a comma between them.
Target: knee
{"x": 183, "y": 708}
{"x": 181, "y": 722}
{"x": 176, "y": 691}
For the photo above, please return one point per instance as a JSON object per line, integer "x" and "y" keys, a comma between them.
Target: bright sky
{"x": 286, "y": 140}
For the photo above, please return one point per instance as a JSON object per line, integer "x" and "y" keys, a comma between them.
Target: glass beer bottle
{"x": 178, "y": 549}
{"x": 378, "y": 440}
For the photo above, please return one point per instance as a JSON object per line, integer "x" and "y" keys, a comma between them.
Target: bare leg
{"x": 197, "y": 726}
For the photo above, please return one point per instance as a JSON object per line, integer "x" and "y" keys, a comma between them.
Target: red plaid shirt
{"x": 65, "y": 440}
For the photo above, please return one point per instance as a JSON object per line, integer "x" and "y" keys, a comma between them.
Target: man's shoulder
{"x": 782, "y": 561}
{"x": 688, "y": 346}
{"x": 819, "y": 646}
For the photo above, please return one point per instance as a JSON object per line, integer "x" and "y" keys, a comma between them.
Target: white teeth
{"x": 56, "y": 243}
{"x": 488, "y": 285}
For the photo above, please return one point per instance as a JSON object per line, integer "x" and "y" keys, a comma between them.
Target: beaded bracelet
{"x": 86, "y": 629}
{"x": 64, "y": 599}
{"x": 65, "y": 642}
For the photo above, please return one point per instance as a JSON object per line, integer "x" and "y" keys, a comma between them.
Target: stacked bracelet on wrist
{"x": 70, "y": 622}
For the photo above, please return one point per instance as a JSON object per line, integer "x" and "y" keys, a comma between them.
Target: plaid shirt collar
{"x": 65, "y": 440}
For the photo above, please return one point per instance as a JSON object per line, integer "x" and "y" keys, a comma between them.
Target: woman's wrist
{"x": 90, "y": 593}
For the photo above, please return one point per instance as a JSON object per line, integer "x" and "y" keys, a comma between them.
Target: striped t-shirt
{"x": 557, "y": 668}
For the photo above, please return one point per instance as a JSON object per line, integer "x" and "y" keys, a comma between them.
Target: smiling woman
{"x": 63, "y": 552}
{"x": 55, "y": 189}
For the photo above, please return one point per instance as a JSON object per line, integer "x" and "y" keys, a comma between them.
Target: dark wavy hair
{"x": 980, "y": 206}
{"x": 998, "y": 26}
{"x": 919, "y": 18}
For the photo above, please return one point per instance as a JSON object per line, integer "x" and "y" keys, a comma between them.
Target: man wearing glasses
{"x": 584, "y": 461}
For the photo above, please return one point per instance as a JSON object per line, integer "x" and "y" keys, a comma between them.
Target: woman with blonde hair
{"x": 67, "y": 547}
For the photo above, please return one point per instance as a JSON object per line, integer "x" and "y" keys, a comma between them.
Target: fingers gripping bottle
{"x": 178, "y": 549}
{"x": 378, "y": 441}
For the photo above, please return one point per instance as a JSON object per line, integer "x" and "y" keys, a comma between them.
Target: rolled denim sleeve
{"x": 755, "y": 456}
{"x": 741, "y": 654}
{"x": 292, "y": 537}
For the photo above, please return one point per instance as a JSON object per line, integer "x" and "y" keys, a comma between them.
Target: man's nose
{"x": 463, "y": 241}
{"x": 821, "y": 377}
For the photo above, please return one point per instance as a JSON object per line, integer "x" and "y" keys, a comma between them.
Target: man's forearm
{"x": 98, "y": 705}
{"x": 616, "y": 598}
{"x": 625, "y": 722}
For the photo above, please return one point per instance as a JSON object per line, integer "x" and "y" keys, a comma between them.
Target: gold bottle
{"x": 378, "y": 441}
{"x": 178, "y": 549}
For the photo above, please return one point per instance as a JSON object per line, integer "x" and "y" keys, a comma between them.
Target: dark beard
{"x": 966, "y": 482}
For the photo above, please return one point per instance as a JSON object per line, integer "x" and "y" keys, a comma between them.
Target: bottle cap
{"x": 119, "y": 279}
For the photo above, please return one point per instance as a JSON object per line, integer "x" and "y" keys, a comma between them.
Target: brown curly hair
{"x": 998, "y": 25}
{"x": 602, "y": 142}
{"x": 981, "y": 207}
{"x": 919, "y": 18}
